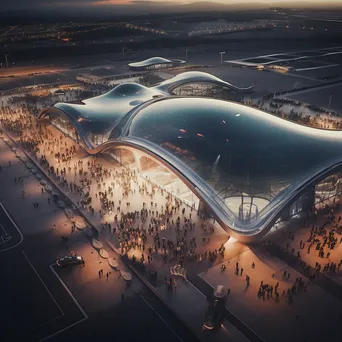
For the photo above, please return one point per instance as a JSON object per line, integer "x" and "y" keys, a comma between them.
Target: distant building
{"x": 155, "y": 63}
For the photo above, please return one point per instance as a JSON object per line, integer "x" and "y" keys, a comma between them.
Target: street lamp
{"x": 123, "y": 52}
{"x": 186, "y": 54}
{"x": 222, "y": 53}
{"x": 6, "y": 60}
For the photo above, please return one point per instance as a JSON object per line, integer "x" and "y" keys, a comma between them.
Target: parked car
{"x": 70, "y": 261}
{"x": 214, "y": 314}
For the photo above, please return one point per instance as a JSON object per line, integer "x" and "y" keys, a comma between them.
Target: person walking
{"x": 107, "y": 275}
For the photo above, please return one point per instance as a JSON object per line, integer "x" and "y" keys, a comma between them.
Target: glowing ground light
{"x": 237, "y": 114}
{"x": 223, "y": 122}
{"x": 182, "y": 130}
{"x": 200, "y": 135}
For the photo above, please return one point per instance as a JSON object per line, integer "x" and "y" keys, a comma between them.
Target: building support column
{"x": 203, "y": 208}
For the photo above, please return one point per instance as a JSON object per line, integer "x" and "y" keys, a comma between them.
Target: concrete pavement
{"x": 101, "y": 299}
{"x": 269, "y": 319}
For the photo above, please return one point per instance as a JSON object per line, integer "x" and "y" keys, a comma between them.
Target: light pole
{"x": 222, "y": 53}
{"x": 330, "y": 99}
{"x": 186, "y": 55}
{"x": 123, "y": 52}
{"x": 6, "y": 60}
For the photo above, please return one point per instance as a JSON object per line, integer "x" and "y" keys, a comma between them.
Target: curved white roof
{"x": 150, "y": 61}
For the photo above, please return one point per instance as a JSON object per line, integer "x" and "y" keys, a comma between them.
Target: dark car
{"x": 70, "y": 261}
{"x": 214, "y": 314}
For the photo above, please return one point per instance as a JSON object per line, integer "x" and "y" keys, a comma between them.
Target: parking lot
{"x": 10, "y": 235}
{"x": 32, "y": 311}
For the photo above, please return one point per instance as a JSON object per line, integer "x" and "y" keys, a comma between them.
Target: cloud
{"x": 23, "y": 4}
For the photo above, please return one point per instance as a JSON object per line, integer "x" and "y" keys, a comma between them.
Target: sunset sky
{"x": 19, "y": 4}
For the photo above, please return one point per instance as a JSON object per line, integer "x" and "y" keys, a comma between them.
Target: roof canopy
{"x": 150, "y": 61}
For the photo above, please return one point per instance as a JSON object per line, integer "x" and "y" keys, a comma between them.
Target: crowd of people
{"x": 315, "y": 245}
{"x": 317, "y": 119}
{"x": 163, "y": 225}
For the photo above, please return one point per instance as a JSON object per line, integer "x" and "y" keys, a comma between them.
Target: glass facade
{"x": 196, "y": 77}
{"x": 97, "y": 117}
{"x": 248, "y": 166}
{"x": 329, "y": 189}
{"x": 124, "y": 156}
{"x": 239, "y": 151}
{"x": 64, "y": 124}
{"x": 207, "y": 90}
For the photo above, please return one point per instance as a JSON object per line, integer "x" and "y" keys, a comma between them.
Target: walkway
{"x": 320, "y": 279}
{"x": 271, "y": 319}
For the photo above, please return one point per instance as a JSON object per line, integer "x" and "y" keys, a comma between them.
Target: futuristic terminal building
{"x": 245, "y": 167}
{"x": 155, "y": 63}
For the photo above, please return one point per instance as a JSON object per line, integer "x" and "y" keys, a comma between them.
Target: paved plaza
{"x": 291, "y": 238}
{"x": 158, "y": 227}
{"x": 276, "y": 320}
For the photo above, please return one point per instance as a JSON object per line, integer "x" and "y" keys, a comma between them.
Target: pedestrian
{"x": 122, "y": 297}
{"x": 99, "y": 273}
